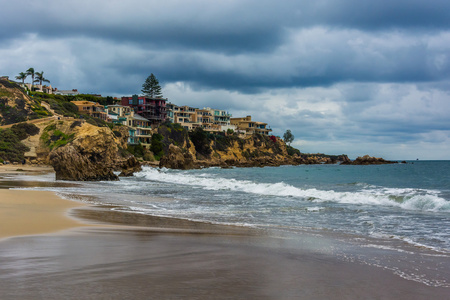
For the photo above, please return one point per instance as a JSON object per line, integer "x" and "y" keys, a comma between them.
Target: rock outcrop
{"x": 176, "y": 158}
{"x": 205, "y": 150}
{"x": 70, "y": 164}
{"x": 82, "y": 152}
{"x": 130, "y": 166}
{"x": 369, "y": 160}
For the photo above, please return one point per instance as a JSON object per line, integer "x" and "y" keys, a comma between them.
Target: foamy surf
{"x": 409, "y": 199}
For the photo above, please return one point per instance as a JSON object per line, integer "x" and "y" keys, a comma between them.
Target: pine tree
{"x": 288, "y": 137}
{"x": 151, "y": 87}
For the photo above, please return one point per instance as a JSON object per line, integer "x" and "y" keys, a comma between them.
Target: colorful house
{"x": 92, "y": 109}
{"x": 249, "y": 127}
{"x": 153, "y": 109}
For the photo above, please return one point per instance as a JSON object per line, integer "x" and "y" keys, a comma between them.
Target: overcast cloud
{"x": 350, "y": 76}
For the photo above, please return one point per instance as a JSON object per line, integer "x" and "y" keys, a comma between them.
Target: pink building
{"x": 153, "y": 109}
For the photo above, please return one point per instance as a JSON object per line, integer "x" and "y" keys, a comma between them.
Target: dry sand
{"x": 34, "y": 212}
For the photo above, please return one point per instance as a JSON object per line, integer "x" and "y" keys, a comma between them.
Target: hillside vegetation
{"x": 16, "y": 106}
{"x": 11, "y": 147}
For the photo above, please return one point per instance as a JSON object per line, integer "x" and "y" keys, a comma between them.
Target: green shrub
{"x": 291, "y": 151}
{"x": 24, "y": 130}
{"x": 55, "y": 138}
{"x": 201, "y": 141}
{"x": 10, "y": 146}
{"x": 157, "y": 146}
{"x": 136, "y": 150}
{"x": 148, "y": 156}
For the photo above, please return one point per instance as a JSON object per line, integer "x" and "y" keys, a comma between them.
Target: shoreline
{"x": 116, "y": 255}
{"x": 24, "y": 212}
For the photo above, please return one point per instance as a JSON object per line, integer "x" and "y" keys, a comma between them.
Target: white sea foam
{"x": 410, "y": 199}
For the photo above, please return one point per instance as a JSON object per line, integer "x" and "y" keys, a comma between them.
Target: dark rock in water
{"x": 130, "y": 166}
{"x": 343, "y": 159}
{"x": 70, "y": 164}
{"x": 369, "y": 160}
{"x": 176, "y": 159}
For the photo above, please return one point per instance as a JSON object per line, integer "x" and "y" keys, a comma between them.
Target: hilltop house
{"x": 153, "y": 109}
{"x": 139, "y": 127}
{"x": 92, "y": 109}
{"x": 38, "y": 88}
{"x": 207, "y": 118}
{"x": 72, "y": 92}
{"x": 250, "y": 127}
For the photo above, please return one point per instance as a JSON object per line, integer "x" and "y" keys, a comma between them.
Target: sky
{"x": 349, "y": 77}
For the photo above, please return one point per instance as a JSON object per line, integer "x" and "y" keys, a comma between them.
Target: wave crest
{"x": 410, "y": 199}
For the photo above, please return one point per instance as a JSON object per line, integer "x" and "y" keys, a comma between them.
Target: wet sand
{"x": 139, "y": 264}
{"x": 27, "y": 168}
{"x": 144, "y": 257}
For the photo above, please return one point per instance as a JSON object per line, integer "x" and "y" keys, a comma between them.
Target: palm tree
{"x": 40, "y": 78}
{"x": 22, "y": 76}
{"x": 30, "y": 71}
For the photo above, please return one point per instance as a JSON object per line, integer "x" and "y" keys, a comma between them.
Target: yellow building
{"x": 250, "y": 127}
{"x": 92, "y": 109}
{"x": 206, "y": 118}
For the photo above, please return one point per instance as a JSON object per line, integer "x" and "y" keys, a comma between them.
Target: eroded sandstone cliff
{"x": 81, "y": 151}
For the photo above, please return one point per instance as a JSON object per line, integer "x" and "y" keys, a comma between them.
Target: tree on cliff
{"x": 288, "y": 137}
{"x": 151, "y": 87}
{"x": 31, "y": 72}
{"x": 40, "y": 78}
{"x": 22, "y": 76}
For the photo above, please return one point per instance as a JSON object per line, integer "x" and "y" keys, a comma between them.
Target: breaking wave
{"x": 410, "y": 199}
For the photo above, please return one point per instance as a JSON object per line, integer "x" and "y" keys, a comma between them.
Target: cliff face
{"x": 206, "y": 150}
{"x": 80, "y": 151}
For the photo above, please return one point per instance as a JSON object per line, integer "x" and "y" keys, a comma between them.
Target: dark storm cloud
{"x": 380, "y": 15}
{"x": 342, "y": 74}
{"x": 192, "y": 30}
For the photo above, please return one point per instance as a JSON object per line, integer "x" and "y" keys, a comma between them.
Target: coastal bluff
{"x": 200, "y": 149}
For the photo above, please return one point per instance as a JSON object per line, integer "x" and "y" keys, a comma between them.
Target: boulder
{"x": 130, "y": 166}
{"x": 70, "y": 164}
{"x": 177, "y": 159}
{"x": 91, "y": 153}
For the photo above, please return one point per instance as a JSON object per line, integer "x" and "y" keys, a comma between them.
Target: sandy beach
{"x": 162, "y": 258}
{"x": 25, "y": 212}
{"x": 34, "y": 212}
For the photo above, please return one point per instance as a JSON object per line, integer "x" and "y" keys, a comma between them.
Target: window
{"x": 130, "y": 101}
{"x": 141, "y": 101}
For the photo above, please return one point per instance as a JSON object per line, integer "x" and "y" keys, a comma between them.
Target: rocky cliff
{"x": 203, "y": 149}
{"x": 81, "y": 151}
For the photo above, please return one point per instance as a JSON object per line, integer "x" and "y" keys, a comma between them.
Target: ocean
{"x": 400, "y": 209}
